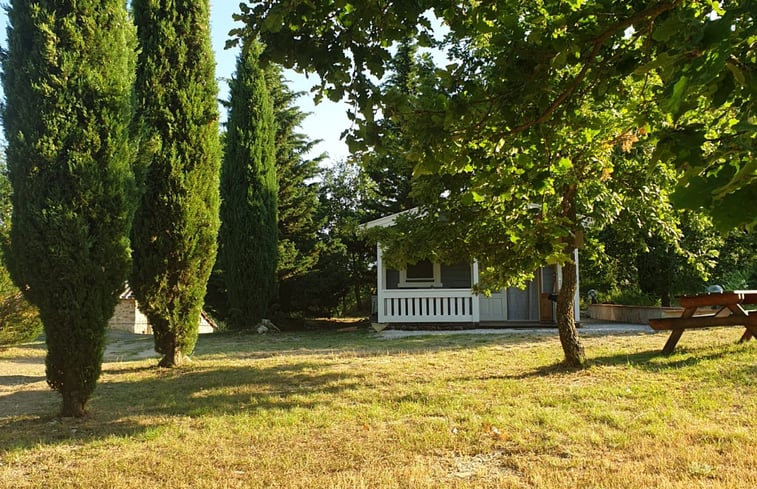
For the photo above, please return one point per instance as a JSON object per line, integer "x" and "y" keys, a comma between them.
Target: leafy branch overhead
{"x": 517, "y": 66}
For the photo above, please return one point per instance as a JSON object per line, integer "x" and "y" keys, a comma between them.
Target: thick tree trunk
{"x": 73, "y": 401}
{"x": 73, "y": 407}
{"x": 173, "y": 359}
{"x": 566, "y": 323}
{"x": 172, "y": 356}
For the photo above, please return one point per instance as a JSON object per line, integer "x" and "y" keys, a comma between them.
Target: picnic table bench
{"x": 727, "y": 310}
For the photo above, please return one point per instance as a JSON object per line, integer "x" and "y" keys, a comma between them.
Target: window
{"x": 423, "y": 271}
{"x": 421, "y": 274}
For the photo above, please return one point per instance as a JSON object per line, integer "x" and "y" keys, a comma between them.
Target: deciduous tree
{"x": 523, "y": 122}
{"x": 387, "y": 163}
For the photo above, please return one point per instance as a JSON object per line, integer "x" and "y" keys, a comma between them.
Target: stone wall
{"x": 128, "y": 318}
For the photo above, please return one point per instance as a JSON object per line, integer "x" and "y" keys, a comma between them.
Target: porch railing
{"x": 427, "y": 305}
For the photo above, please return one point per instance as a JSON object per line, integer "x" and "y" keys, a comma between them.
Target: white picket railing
{"x": 427, "y": 305}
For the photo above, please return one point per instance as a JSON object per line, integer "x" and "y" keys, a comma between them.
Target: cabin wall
{"x": 455, "y": 276}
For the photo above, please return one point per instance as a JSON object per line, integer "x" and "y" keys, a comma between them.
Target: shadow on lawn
{"x": 13, "y": 380}
{"x": 654, "y": 360}
{"x": 361, "y": 343}
{"x": 128, "y": 408}
{"x": 649, "y": 360}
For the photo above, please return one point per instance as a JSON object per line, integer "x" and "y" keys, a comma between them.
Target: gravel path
{"x": 587, "y": 328}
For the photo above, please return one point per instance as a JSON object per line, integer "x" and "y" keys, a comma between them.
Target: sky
{"x": 327, "y": 119}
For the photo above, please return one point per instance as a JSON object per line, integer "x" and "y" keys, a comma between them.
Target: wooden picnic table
{"x": 727, "y": 310}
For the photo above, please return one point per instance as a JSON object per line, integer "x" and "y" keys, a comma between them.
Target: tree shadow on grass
{"x": 14, "y": 380}
{"x": 125, "y": 408}
{"x": 648, "y": 360}
{"x": 360, "y": 344}
{"x": 654, "y": 360}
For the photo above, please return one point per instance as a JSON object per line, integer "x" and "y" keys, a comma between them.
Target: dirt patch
{"x": 123, "y": 347}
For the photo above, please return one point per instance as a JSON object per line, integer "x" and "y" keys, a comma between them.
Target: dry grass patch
{"x": 347, "y": 410}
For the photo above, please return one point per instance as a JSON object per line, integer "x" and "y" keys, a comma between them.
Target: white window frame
{"x": 435, "y": 281}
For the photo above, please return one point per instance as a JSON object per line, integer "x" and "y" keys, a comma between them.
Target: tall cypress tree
{"x": 68, "y": 79}
{"x": 249, "y": 235}
{"x": 176, "y": 225}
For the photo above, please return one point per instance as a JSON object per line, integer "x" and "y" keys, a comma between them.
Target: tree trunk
{"x": 357, "y": 282}
{"x": 173, "y": 359}
{"x": 566, "y": 319}
{"x": 358, "y": 296}
{"x": 73, "y": 401}
{"x": 566, "y": 323}
{"x": 665, "y": 297}
{"x": 172, "y": 356}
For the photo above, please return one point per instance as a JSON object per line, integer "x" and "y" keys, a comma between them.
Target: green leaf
{"x": 673, "y": 103}
{"x": 716, "y": 32}
{"x": 564, "y": 164}
{"x": 666, "y": 29}
{"x": 738, "y": 75}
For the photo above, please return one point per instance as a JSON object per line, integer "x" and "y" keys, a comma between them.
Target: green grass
{"x": 346, "y": 410}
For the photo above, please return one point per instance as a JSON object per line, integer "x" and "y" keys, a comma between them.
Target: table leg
{"x": 675, "y": 335}
{"x": 748, "y": 335}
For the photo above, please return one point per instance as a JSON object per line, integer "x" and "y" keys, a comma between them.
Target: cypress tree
{"x": 176, "y": 224}
{"x": 68, "y": 79}
{"x": 249, "y": 235}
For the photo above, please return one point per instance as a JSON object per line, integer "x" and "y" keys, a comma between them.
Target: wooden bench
{"x": 728, "y": 311}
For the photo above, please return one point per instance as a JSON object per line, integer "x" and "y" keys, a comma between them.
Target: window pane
{"x": 423, "y": 270}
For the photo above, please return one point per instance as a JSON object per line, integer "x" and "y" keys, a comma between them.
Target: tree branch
{"x": 599, "y": 41}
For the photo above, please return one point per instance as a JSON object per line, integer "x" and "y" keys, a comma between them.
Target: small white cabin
{"x": 429, "y": 292}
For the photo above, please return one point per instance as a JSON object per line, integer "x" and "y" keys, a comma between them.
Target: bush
{"x": 19, "y": 320}
{"x": 629, "y": 297}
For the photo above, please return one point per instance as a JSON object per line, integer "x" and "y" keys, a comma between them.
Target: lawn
{"x": 350, "y": 410}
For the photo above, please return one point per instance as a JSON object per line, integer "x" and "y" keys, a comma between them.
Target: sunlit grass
{"x": 327, "y": 409}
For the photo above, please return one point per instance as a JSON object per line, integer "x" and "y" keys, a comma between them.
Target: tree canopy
{"x": 298, "y": 187}
{"x": 176, "y": 224}
{"x": 68, "y": 75}
{"x": 249, "y": 229}
{"x": 516, "y": 65}
{"x": 525, "y": 126}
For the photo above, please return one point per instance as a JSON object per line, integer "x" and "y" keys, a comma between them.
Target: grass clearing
{"x": 348, "y": 410}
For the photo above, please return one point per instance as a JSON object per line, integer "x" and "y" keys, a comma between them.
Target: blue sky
{"x": 328, "y": 119}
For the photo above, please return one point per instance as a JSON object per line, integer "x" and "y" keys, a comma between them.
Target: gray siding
{"x": 523, "y": 305}
{"x": 392, "y": 278}
{"x": 457, "y": 276}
